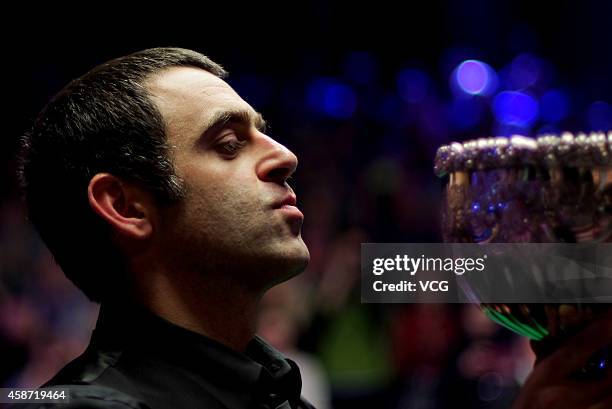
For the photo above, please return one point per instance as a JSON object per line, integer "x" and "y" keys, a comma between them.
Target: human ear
{"x": 126, "y": 207}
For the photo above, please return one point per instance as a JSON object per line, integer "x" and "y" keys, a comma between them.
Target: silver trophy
{"x": 556, "y": 188}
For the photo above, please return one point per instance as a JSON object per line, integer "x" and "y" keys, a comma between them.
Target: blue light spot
{"x": 413, "y": 85}
{"x": 360, "y": 67}
{"x": 474, "y": 77}
{"x": 501, "y": 205}
{"x": 340, "y": 101}
{"x": 554, "y": 105}
{"x": 332, "y": 98}
{"x": 316, "y": 93}
{"x": 491, "y": 208}
{"x": 475, "y": 207}
{"x": 515, "y": 108}
{"x": 600, "y": 116}
{"x": 602, "y": 364}
{"x": 525, "y": 71}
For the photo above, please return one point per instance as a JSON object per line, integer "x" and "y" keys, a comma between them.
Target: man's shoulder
{"x": 87, "y": 397}
{"x": 91, "y": 382}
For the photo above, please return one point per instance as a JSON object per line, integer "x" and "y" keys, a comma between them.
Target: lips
{"x": 289, "y": 200}
{"x": 288, "y": 206}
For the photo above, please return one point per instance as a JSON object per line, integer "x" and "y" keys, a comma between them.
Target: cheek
{"x": 223, "y": 206}
{"x": 225, "y": 201}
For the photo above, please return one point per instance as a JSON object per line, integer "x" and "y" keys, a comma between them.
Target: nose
{"x": 277, "y": 162}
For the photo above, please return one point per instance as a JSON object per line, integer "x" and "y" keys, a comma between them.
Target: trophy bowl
{"x": 553, "y": 189}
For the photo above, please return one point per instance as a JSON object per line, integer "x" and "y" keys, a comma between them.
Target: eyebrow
{"x": 222, "y": 118}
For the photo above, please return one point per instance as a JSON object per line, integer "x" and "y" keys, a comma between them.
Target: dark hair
{"x": 103, "y": 121}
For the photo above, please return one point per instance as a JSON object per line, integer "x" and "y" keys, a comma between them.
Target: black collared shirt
{"x": 139, "y": 360}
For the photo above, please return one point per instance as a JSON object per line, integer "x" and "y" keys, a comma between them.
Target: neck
{"x": 215, "y": 307}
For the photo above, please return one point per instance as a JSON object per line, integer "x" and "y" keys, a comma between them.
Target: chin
{"x": 285, "y": 264}
{"x": 295, "y": 260}
{"x": 301, "y": 254}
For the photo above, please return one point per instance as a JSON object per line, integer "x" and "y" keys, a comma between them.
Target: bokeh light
{"x": 515, "y": 108}
{"x": 554, "y": 105}
{"x": 525, "y": 71}
{"x": 474, "y": 77}
{"x": 331, "y": 98}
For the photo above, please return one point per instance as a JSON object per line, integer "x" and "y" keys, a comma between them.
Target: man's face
{"x": 238, "y": 216}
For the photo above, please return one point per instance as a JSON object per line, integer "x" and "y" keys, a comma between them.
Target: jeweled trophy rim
{"x": 564, "y": 150}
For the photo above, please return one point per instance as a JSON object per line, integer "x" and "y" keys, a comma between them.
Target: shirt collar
{"x": 259, "y": 375}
